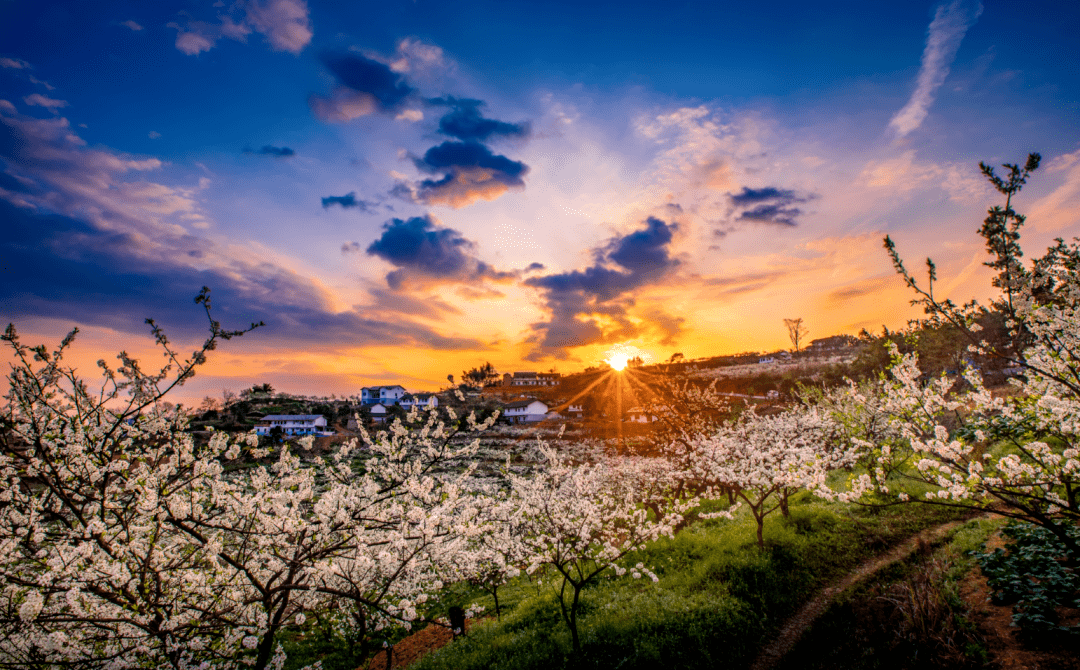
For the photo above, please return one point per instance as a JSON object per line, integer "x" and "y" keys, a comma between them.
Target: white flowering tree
{"x": 766, "y": 459}
{"x": 124, "y": 542}
{"x": 1018, "y": 455}
{"x": 579, "y": 519}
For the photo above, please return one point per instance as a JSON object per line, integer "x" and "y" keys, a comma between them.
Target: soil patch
{"x": 1002, "y": 639}
{"x": 409, "y": 650}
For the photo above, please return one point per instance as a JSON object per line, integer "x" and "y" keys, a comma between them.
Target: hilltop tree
{"x": 796, "y": 331}
{"x": 485, "y": 375}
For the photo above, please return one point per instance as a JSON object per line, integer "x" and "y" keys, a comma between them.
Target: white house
{"x": 378, "y": 412}
{"x": 387, "y": 395}
{"x": 531, "y": 379}
{"x": 525, "y": 411}
{"x": 640, "y": 415}
{"x": 420, "y": 400}
{"x": 292, "y": 424}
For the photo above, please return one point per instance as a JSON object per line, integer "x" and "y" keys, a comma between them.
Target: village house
{"x": 292, "y": 424}
{"x": 640, "y": 415}
{"x": 531, "y": 379}
{"x": 525, "y": 411}
{"x": 419, "y": 400}
{"x": 387, "y": 395}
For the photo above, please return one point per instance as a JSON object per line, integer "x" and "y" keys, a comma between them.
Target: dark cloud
{"x": 750, "y": 196}
{"x": 470, "y": 172}
{"x": 769, "y": 205}
{"x": 347, "y": 201}
{"x": 623, "y": 265}
{"x": 465, "y": 122}
{"x": 778, "y": 214}
{"x": 534, "y": 267}
{"x": 268, "y": 150}
{"x": 365, "y": 87}
{"x": 424, "y": 251}
{"x": 85, "y": 241}
{"x": 364, "y": 75}
{"x": 55, "y": 266}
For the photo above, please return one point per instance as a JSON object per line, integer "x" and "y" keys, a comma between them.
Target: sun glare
{"x": 618, "y": 361}
{"x": 621, "y": 355}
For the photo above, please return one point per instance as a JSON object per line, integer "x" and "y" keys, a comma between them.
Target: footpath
{"x": 798, "y": 624}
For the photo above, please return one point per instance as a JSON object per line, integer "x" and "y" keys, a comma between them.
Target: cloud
{"x": 103, "y": 284}
{"x": 153, "y": 134}
{"x": 592, "y": 305}
{"x": 769, "y": 205}
{"x": 412, "y": 115}
{"x": 106, "y": 188}
{"x": 365, "y": 87}
{"x": 943, "y": 39}
{"x": 465, "y": 122}
{"x": 135, "y": 27}
{"x": 14, "y": 64}
{"x": 195, "y": 38}
{"x": 47, "y": 85}
{"x": 865, "y": 287}
{"x": 347, "y": 201}
{"x": 84, "y": 242}
{"x": 41, "y": 101}
{"x": 268, "y": 150}
{"x": 426, "y": 252}
{"x": 418, "y": 58}
{"x": 284, "y": 23}
{"x": 471, "y": 172}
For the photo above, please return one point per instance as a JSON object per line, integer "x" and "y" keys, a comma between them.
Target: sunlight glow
{"x": 618, "y": 361}
{"x": 622, "y": 355}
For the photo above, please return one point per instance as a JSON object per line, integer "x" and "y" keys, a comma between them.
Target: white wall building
{"x": 525, "y": 411}
{"x": 292, "y": 424}
{"x": 420, "y": 400}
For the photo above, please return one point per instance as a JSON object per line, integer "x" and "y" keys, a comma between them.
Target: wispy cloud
{"x": 14, "y": 64}
{"x": 135, "y": 27}
{"x": 284, "y": 23}
{"x": 41, "y": 101}
{"x": 270, "y": 150}
{"x": 347, "y": 201}
{"x": 948, "y": 28}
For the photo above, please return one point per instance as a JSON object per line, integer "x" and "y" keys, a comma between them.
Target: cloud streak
{"x": 347, "y": 201}
{"x": 769, "y": 205}
{"x": 947, "y": 30}
{"x": 269, "y": 150}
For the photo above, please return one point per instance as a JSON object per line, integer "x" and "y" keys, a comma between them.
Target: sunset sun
{"x": 618, "y": 361}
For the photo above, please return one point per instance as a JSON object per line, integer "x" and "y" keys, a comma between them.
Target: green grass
{"x": 718, "y": 599}
{"x": 873, "y": 626}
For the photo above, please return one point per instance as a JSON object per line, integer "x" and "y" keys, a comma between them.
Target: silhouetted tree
{"x": 796, "y": 331}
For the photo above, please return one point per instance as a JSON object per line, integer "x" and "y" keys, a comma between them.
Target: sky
{"x": 403, "y": 191}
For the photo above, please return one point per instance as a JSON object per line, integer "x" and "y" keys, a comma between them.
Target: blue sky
{"x": 403, "y": 190}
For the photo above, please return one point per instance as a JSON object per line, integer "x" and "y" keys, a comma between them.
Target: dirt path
{"x": 798, "y": 624}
